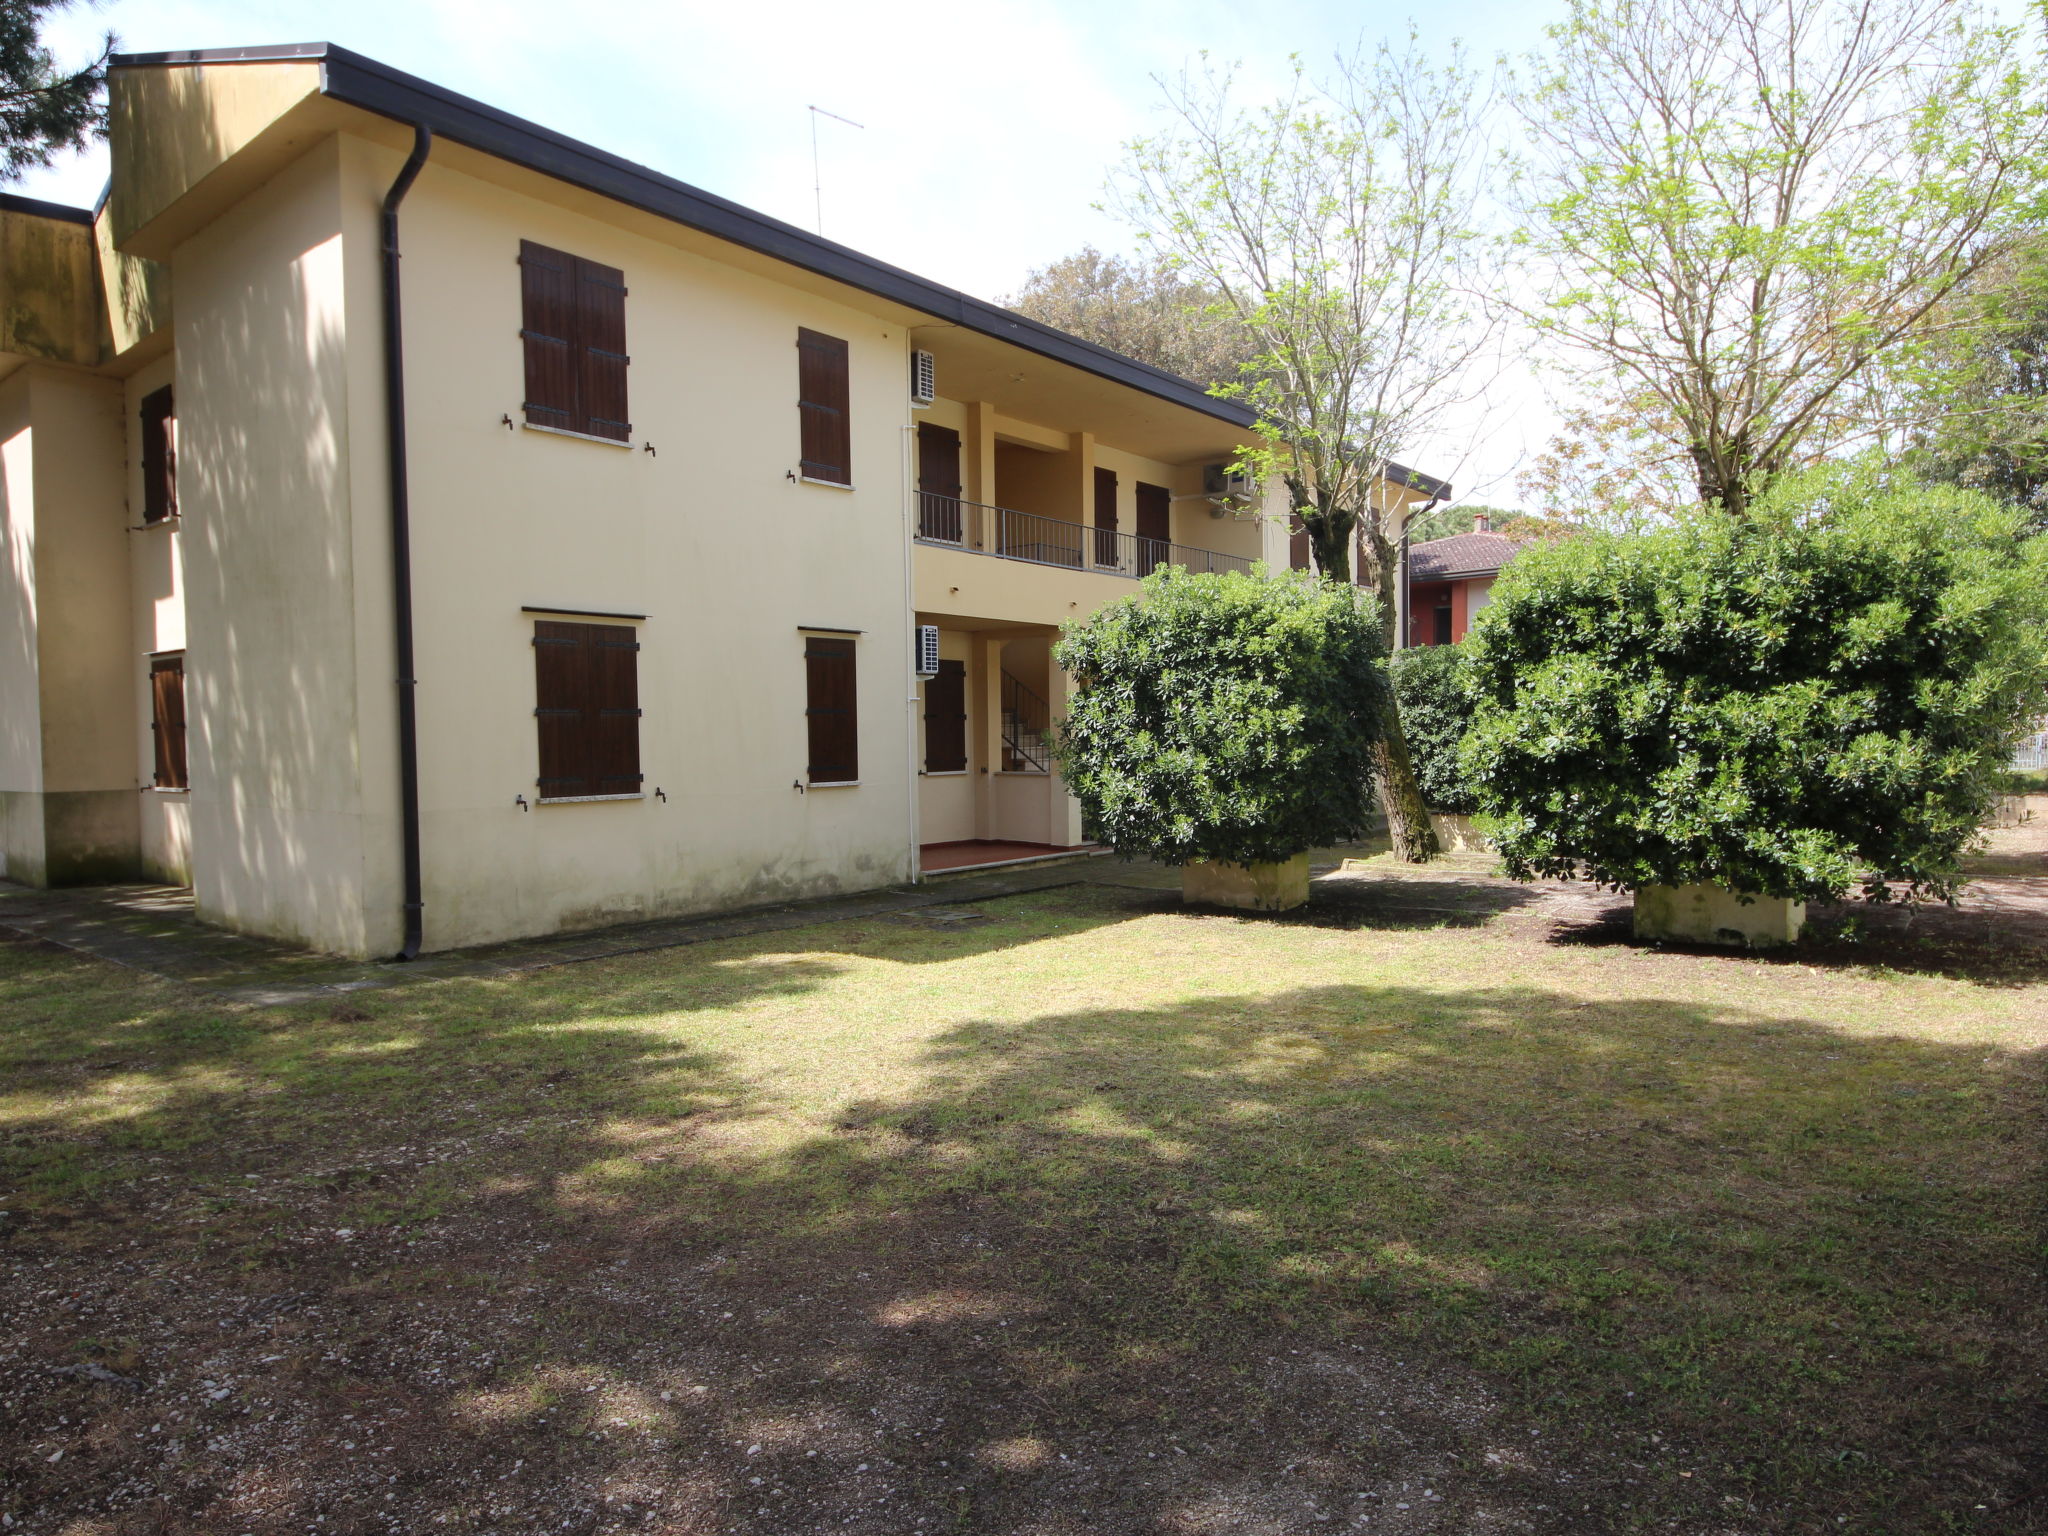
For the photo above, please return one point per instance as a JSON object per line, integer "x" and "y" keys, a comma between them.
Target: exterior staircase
{"x": 1027, "y": 729}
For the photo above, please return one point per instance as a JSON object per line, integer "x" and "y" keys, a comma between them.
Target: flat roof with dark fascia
{"x": 11, "y": 202}
{"x": 363, "y": 82}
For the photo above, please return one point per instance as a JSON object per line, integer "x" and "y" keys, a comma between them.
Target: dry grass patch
{"x": 1093, "y": 1216}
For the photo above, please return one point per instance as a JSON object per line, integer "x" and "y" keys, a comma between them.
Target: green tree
{"x": 1429, "y": 686}
{"x": 44, "y": 107}
{"x": 1818, "y": 696}
{"x": 1144, "y": 309}
{"x": 1225, "y": 717}
{"x": 1337, "y": 227}
{"x": 1981, "y": 383}
{"x": 1738, "y": 210}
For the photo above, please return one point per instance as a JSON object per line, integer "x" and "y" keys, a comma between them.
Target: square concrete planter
{"x": 1713, "y": 914}
{"x": 1252, "y": 887}
{"x": 1456, "y": 834}
{"x": 2017, "y": 810}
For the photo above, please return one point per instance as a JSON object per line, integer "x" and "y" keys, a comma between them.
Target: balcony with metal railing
{"x": 948, "y": 522}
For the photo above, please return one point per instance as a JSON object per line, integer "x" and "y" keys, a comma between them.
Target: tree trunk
{"x": 1330, "y": 532}
{"x": 1400, "y": 792}
{"x": 1408, "y": 827}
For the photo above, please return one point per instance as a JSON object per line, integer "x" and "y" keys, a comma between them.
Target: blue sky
{"x": 989, "y": 127}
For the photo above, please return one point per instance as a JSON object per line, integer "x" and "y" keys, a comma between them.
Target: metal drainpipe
{"x": 910, "y": 506}
{"x": 401, "y": 548}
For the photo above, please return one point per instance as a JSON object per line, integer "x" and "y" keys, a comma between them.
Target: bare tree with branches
{"x": 1740, "y": 209}
{"x": 1337, "y": 227}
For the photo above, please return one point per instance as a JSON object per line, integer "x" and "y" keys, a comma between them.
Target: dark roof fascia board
{"x": 1484, "y": 570}
{"x": 1415, "y": 479}
{"x": 13, "y": 202}
{"x": 267, "y": 53}
{"x": 363, "y": 82}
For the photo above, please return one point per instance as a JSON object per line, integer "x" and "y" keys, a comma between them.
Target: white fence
{"x": 2032, "y": 752}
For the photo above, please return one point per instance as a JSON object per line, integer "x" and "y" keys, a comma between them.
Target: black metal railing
{"x": 1027, "y": 724}
{"x": 1013, "y": 535}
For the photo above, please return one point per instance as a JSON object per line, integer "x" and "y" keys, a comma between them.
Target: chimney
{"x": 1481, "y": 523}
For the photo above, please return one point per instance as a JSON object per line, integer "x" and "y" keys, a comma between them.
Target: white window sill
{"x": 167, "y": 789}
{"x": 581, "y": 437}
{"x": 582, "y": 799}
{"x": 942, "y": 773}
{"x": 830, "y": 485}
{"x": 836, "y": 784}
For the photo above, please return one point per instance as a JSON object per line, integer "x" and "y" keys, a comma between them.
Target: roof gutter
{"x": 401, "y": 550}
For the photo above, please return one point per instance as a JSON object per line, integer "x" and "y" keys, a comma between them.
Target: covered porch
{"x": 991, "y": 853}
{"x": 988, "y": 792}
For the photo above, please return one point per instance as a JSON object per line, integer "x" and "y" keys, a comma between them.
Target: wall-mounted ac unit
{"x": 1222, "y": 480}
{"x": 924, "y": 378}
{"x": 927, "y": 652}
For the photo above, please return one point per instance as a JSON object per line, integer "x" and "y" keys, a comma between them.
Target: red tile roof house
{"x": 1450, "y": 580}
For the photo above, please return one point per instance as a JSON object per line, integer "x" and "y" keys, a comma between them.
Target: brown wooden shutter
{"x": 1105, "y": 517}
{"x": 1299, "y": 555}
{"x": 586, "y": 708}
{"x": 548, "y": 327}
{"x": 167, "y": 719}
{"x": 827, "y": 435}
{"x": 945, "y": 719}
{"x": 829, "y": 711}
{"x": 601, "y": 350}
{"x": 615, "y": 668}
{"x": 159, "y": 456}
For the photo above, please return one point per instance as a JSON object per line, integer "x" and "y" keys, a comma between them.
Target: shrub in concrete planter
{"x": 1814, "y": 698}
{"x": 1224, "y": 724}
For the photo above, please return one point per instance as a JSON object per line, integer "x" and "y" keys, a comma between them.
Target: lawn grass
{"x": 1743, "y": 1245}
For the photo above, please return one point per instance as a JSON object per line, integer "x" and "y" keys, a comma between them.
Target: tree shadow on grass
{"x": 1986, "y": 941}
{"x": 522, "y": 1258}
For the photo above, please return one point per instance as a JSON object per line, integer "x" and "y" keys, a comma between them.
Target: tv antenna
{"x": 817, "y": 175}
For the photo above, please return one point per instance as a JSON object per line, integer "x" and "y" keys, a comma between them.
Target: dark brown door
{"x": 945, "y": 719}
{"x": 1155, "y": 526}
{"x": 1105, "y": 517}
{"x": 938, "y": 483}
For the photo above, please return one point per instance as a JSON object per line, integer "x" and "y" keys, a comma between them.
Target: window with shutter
{"x": 159, "y": 456}
{"x": 945, "y": 719}
{"x": 573, "y": 326}
{"x": 167, "y": 718}
{"x": 829, "y": 711}
{"x": 827, "y": 436}
{"x": 587, "y": 709}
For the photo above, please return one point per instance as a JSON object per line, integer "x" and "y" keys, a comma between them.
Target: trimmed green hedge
{"x": 1820, "y": 696}
{"x": 1435, "y": 711}
{"x": 1224, "y": 717}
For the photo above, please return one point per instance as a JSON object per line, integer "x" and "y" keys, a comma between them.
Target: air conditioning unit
{"x": 1220, "y": 480}
{"x": 927, "y": 652}
{"x": 924, "y": 378}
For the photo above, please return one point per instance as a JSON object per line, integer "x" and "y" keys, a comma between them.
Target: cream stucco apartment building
{"x": 581, "y": 574}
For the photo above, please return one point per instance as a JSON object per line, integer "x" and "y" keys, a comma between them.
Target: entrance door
{"x": 938, "y": 483}
{"x": 1105, "y": 518}
{"x": 1155, "y": 526}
